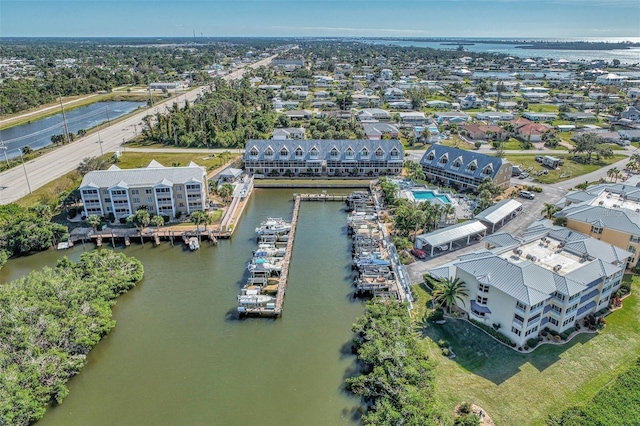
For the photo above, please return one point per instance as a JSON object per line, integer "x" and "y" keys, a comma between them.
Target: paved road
{"x": 44, "y": 169}
{"x": 44, "y": 109}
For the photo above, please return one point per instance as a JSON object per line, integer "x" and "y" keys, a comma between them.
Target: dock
{"x": 320, "y": 197}
{"x": 282, "y": 284}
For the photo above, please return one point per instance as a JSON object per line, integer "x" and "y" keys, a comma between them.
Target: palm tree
{"x": 613, "y": 173}
{"x": 140, "y": 220}
{"x": 157, "y": 221}
{"x": 93, "y": 220}
{"x": 200, "y": 217}
{"x": 448, "y": 211}
{"x": 449, "y": 290}
{"x": 635, "y": 158}
{"x": 549, "y": 210}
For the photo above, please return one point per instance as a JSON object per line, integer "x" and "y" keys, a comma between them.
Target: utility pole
{"x": 65, "y": 128}
{"x": 106, "y": 110}
{"x": 25, "y": 171}
{"x": 100, "y": 143}
{"x": 4, "y": 148}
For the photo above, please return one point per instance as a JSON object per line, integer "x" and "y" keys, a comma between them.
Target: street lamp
{"x": 25, "y": 170}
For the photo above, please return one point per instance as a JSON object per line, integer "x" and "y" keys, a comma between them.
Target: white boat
{"x": 270, "y": 252}
{"x": 266, "y": 264}
{"x": 194, "y": 244}
{"x": 273, "y": 226}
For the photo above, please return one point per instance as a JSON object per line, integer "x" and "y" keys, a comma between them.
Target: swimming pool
{"x": 427, "y": 195}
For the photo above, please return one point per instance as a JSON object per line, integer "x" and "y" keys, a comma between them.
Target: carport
{"x": 501, "y": 212}
{"x": 450, "y": 234}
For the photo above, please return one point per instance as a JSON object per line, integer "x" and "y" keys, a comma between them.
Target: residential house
{"x": 161, "y": 190}
{"x": 367, "y": 114}
{"x": 495, "y": 116}
{"x": 484, "y": 132}
{"x": 539, "y": 116}
{"x": 288, "y": 133}
{"x": 471, "y": 100}
{"x": 460, "y": 168}
{"x": 630, "y": 135}
{"x": 451, "y": 117}
{"x": 632, "y": 113}
{"x": 393, "y": 94}
{"x": 323, "y": 157}
{"x": 298, "y": 114}
{"x": 412, "y": 117}
{"x": 551, "y": 279}
{"x": 377, "y": 131}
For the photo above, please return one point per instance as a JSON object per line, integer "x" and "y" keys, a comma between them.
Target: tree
{"x": 93, "y": 220}
{"x": 587, "y": 143}
{"x": 225, "y": 191}
{"x": 157, "y": 221}
{"x": 89, "y": 164}
{"x": 613, "y": 173}
{"x": 449, "y": 290}
{"x": 200, "y": 217}
{"x": 485, "y": 199}
{"x": 549, "y": 210}
{"x": 140, "y": 220}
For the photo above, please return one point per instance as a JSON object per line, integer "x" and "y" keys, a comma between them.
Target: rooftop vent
{"x": 557, "y": 268}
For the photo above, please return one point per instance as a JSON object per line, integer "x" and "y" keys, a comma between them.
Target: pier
{"x": 282, "y": 284}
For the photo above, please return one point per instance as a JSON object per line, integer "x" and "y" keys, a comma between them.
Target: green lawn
{"x": 543, "y": 108}
{"x": 49, "y": 193}
{"x": 571, "y": 168}
{"x": 130, "y": 160}
{"x": 511, "y": 144}
{"x": 456, "y": 142}
{"x": 523, "y": 389}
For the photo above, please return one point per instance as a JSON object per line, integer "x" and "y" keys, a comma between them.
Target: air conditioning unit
{"x": 529, "y": 257}
{"x": 557, "y": 268}
{"x": 533, "y": 258}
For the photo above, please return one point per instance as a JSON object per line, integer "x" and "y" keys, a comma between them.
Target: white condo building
{"x": 552, "y": 278}
{"x": 161, "y": 190}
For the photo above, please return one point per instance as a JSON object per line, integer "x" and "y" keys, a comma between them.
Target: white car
{"x": 528, "y": 195}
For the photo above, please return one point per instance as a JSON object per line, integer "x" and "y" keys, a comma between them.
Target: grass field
{"x": 131, "y": 160}
{"x": 523, "y": 389}
{"x": 456, "y": 142}
{"x": 50, "y": 192}
{"x": 571, "y": 168}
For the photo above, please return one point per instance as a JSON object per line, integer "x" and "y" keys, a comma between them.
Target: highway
{"x": 19, "y": 181}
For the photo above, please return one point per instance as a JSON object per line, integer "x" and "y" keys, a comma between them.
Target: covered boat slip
{"x": 443, "y": 239}
{"x": 497, "y": 215}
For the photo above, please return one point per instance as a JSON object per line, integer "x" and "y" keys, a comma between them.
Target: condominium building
{"x": 608, "y": 212}
{"x": 460, "y": 168}
{"x": 552, "y": 278}
{"x": 323, "y": 157}
{"x": 159, "y": 189}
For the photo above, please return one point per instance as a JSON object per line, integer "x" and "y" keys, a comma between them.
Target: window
{"x": 572, "y": 307}
{"x": 518, "y": 319}
{"x": 516, "y": 331}
{"x": 559, "y": 296}
{"x": 553, "y": 321}
{"x": 487, "y": 170}
{"x": 334, "y": 153}
{"x": 269, "y": 152}
{"x": 632, "y": 249}
{"x": 484, "y": 288}
{"x": 431, "y": 156}
{"x": 105, "y": 192}
{"x": 134, "y": 192}
{"x": 149, "y": 199}
{"x": 136, "y": 200}
{"x": 179, "y": 196}
{"x": 379, "y": 153}
{"x": 531, "y": 331}
{"x": 444, "y": 159}
{"x": 634, "y": 239}
{"x": 178, "y": 187}
{"x": 394, "y": 153}
{"x": 537, "y": 305}
{"x": 568, "y": 321}
{"x": 555, "y": 308}
{"x": 472, "y": 166}
{"x": 364, "y": 152}
{"x": 574, "y": 297}
{"x": 521, "y": 306}
{"x": 481, "y": 300}
{"x": 109, "y": 208}
{"x": 284, "y": 152}
{"x": 457, "y": 162}
{"x": 253, "y": 152}
{"x": 314, "y": 152}
{"x": 596, "y": 229}
{"x": 147, "y": 191}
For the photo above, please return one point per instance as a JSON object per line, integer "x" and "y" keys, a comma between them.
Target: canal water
{"x": 37, "y": 134}
{"x": 179, "y": 355}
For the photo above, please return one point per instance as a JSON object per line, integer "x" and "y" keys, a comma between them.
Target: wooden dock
{"x": 282, "y": 284}
{"x": 320, "y": 197}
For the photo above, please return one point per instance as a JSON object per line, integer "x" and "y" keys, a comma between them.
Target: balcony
{"x": 517, "y": 322}
{"x": 589, "y": 296}
{"x": 521, "y": 310}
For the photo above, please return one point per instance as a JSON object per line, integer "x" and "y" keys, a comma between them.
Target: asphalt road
{"x": 19, "y": 181}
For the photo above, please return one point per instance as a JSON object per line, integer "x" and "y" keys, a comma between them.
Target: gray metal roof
{"x": 500, "y": 210}
{"x": 324, "y": 148}
{"x": 152, "y": 175}
{"x": 502, "y": 239}
{"x": 481, "y": 162}
{"x": 618, "y": 219}
{"x": 453, "y": 233}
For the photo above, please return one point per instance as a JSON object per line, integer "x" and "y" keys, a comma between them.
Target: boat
{"x": 194, "y": 244}
{"x": 270, "y": 252}
{"x": 371, "y": 260}
{"x": 252, "y": 298}
{"x": 266, "y": 264}
{"x": 273, "y": 226}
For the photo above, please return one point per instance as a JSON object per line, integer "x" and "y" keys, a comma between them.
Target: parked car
{"x": 523, "y": 175}
{"x": 527, "y": 194}
{"x": 443, "y": 247}
{"x": 539, "y": 158}
{"x": 418, "y": 253}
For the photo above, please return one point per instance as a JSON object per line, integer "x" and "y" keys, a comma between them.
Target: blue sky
{"x": 417, "y": 18}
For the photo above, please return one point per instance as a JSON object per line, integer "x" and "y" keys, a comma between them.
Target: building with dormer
{"x": 461, "y": 169}
{"x": 323, "y": 157}
{"x": 160, "y": 190}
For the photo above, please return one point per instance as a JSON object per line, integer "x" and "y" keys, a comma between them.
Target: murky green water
{"x": 178, "y": 355}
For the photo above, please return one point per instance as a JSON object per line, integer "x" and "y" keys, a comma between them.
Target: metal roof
{"x": 324, "y": 148}
{"x": 453, "y": 233}
{"x": 502, "y": 239}
{"x": 461, "y": 162}
{"x": 149, "y": 176}
{"x": 499, "y": 211}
